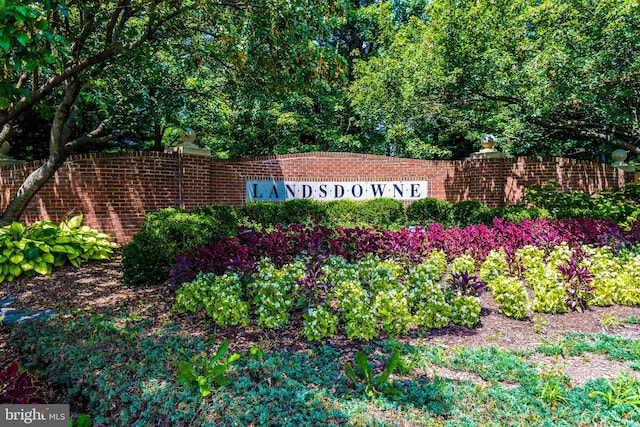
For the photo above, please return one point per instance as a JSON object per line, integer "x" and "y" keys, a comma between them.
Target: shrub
{"x": 383, "y": 212}
{"x": 300, "y": 210}
{"x": 343, "y": 212}
{"x": 167, "y": 233}
{"x": 470, "y": 212}
{"x": 264, "y": 213}
{"x": 618, "y": 205}
{"x": 429, "y": 210}
{"x": 518, "y": 213}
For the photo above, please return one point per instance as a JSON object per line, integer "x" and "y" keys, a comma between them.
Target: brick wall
{"x": 114, "y": 191}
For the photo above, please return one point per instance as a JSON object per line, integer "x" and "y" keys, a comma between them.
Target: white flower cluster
{"x": 465, "y": 310}
{"x": 273, "y": 291}
{"x": 511, "y": 295}
{"x": 319, "y": 323}
{"x": 494, "y": 266}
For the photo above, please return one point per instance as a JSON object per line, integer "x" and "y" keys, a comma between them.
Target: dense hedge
{"x": 169, "y": 232}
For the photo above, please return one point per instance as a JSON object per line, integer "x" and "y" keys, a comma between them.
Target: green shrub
{"x": 383, "y": 212}
{"x": 263, "y": 213}
{"x": 343, "y": 212}
{"x": 470, "y": 212}
{"x": 519, "y": 212}
{"x": 167, "y": 233}
{"x": 300, "y": 210}
{"x": 429, "y": 210}
{"x": 616, "y": 205}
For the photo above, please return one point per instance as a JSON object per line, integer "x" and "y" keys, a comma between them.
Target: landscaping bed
{"x": 95, "y": 291}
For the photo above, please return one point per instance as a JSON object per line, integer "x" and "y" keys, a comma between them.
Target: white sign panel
{"x": 279, "y": 191}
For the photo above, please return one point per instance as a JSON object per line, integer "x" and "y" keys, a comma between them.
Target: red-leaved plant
{"x": 17, "y": 387}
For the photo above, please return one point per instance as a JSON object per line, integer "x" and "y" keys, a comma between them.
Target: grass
{"x": 278, "y": 388}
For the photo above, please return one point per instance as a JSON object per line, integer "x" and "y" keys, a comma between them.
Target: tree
{"x": 547, "y": 77}
{"x": 56, "y": 51}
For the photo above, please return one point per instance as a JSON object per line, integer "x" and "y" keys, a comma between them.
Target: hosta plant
{"x": 42, "y": 246}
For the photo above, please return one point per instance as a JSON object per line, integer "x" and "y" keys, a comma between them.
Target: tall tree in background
{"x": 547, "y": 77}
{"x": 56, "y": 52}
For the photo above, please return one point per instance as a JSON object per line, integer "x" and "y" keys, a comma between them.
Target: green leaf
{"x": 63, "y": 239}
{"x": 22, "y": 38}
{"x": 31, "y": 253}
{"x": 17, "y": 258}
{"x": 59, "y": 249}
{"x": 75, "y": 221}
{"x": 15, "y": 270}
{"x": 17, "y": 229}
{"x": 224, "y": 347}
{"x": 4, "y": 103}
{"x": 42, "y": 268}
{"x": 5, "y": 43}
{"x": 350, "y": 373}
{"x": 392, "y": 364}
{"x": 186, "y": 374}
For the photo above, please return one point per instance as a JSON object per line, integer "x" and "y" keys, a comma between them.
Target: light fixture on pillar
{"x": 618, "y": 160}
{"x": 488, "y": 152}
{"x": 187, "y": 146}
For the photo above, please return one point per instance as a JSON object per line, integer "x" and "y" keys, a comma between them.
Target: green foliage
{"x": 83, "y": 420}
{"x": 220, "y": 296}
{"x": 432, "y": 310}
{"x": 204, "y": 370}
{"x": 364, "y": 376}
{"x": 429, "y": 210}
{"x": 263, "y": 213}
{"x": 463, "y": 264}
{"x": 169, "y": 232}
{"x": 470, "y": 212}
{"x": 465, "y": 310}
{"x": 273, "y": 292}
{"x": 393, "y": 310}
{"x": 319, "y": 322}
{"x": 623, "y": 391}
{"x": 301, "y": 210}
{"x": 42, "y": 246}
{"x": 494, "y": 265}
{"x": 357, "y": 310}
{"x": 382, "y": 212}
{"x": 610, "y": 205}
{"x": 343, "y": 212}
{"x": 554, "y": 385}
{"x": 520, "y": 212}
{"x": 511, "y": 296}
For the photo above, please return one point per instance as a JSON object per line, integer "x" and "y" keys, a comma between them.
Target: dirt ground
{"x": 96, "y": 286}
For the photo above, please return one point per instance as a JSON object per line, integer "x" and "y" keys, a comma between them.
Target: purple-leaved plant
{"x": 577, "y": 280}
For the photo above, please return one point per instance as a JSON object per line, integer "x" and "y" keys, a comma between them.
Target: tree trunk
{"x": 60, "y": 131}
